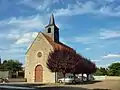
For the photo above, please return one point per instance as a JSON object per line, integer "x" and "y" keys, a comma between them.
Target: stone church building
{"x": 37, "y": 54}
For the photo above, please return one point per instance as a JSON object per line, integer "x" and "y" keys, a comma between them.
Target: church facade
{"x": 37, "y": 54}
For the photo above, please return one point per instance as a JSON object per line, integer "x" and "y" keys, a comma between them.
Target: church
{"x": 37, "y": 54}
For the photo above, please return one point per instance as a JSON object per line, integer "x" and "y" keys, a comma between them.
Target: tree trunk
{"x": 74, "y": 76}
{"x": 55, "y": 77}
{"x": 82, "y": 77}
{"x": 87, "y": 77}
{"x": 64, "y": 78}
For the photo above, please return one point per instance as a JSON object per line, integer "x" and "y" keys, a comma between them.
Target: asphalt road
{"x": 12, "y": 87}
{"x": 34, "y": 87}
{"x": 87, "y": 86}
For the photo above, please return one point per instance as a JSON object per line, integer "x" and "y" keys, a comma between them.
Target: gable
{"x": 38, "y": 43}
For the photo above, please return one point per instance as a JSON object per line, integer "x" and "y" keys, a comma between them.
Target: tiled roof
{"x": 56, "y": 45}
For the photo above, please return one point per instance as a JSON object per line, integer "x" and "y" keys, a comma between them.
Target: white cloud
{"x": 95, "y": 60}
{"x": 19, "y": 47}
{"x": 13, "y": 36}
{"x": 75, "y": 9}
{"x": 31, "y": 22}
{"x": 13, "y": 28}
{"x": 38, "y": 4}
{"x": 26, "y": 38}
{"x": 41, "y": 5}
{"x": 84, "y": 40}
{"x": 18, "y": 32}
{"x": 87, "y": 49}
{"x": 15, "y": 50}
{"x": 108, "y": 34}
{"x": 23, "y": 40}
{"x": 96, "y": 38}
{"x": 104, "y": 65}
{"x": 9, "y": 36}
{"x": 111, "y": 56}
{"x": 90, "y": 7}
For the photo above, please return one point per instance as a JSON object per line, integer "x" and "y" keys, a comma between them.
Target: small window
{"x": 39, "y": 54}
{"x": 49, "y": 30}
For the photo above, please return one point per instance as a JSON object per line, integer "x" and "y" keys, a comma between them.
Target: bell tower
{"x": 52, "y": 30}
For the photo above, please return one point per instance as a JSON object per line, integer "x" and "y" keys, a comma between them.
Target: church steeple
{"x": 52, "y": 30}
{"x": 52, "y": 21}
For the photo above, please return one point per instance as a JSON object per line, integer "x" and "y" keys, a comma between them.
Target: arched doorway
{"x": 38, "y": 73}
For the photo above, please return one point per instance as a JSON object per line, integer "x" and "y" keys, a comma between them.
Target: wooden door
{"x": 38, "y": 73}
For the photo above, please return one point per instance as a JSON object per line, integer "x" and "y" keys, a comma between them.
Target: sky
{"x": 91, "y": 27}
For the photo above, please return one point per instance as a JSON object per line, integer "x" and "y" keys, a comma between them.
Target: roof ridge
{"x": 55, "y": 44}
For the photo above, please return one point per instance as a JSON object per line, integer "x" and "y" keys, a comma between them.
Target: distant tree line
{"x": 11, "y": 65}
{"x": 111, "y": 70}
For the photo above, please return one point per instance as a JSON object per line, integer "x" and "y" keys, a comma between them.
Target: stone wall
{"x": 32, "y": 60}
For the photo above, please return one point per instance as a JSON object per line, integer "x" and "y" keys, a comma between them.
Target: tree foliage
{"x": 11, "y": 65}
{"x": 68, "y": 61}
{"x": 111, "y": 70}
{"x": 101, "y": 71}
{"x": 114, "y": 69}
{"x": 61, "y": 61}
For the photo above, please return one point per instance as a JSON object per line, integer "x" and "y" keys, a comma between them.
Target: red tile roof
{"x": 56, "y": 45}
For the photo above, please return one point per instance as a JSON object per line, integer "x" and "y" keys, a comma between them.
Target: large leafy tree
{"x": 114, "y": 69}
{"x": 88, "y": 67}
{"x": 78, "y": 65}
{"x": 68, "y": 61}
{"x": 54, "y": 61}
{"x": 61, "y": 60}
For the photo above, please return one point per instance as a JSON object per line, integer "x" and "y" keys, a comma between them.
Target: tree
{"x": 114, "y": 69}
{"x": 54, "y": 61}
{"x": 11, "y": 65}
{"x": 61, "y": 60}
{"x": 68, "y": 61}
{"x": 104, "y": 71}
{"x": 78, "y": 65}
{"x": 101, "y": 71}
{"x": 89, "y": 67}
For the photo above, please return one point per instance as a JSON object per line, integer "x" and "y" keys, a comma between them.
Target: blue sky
{"x": 91, "y": 27}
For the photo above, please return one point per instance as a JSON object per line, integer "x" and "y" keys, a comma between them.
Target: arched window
{"x": 49, "y": 30}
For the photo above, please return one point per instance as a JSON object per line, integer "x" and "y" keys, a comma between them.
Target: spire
{"x": 52, "y": 22}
